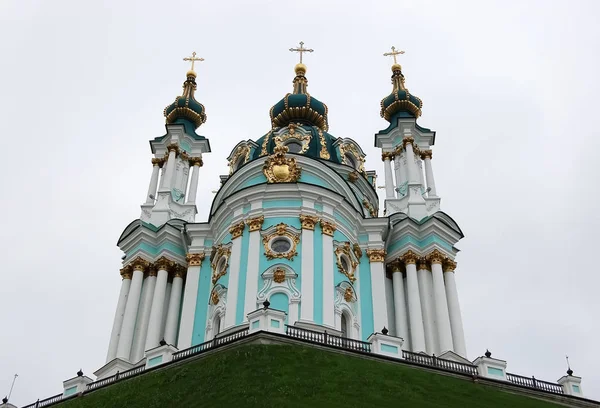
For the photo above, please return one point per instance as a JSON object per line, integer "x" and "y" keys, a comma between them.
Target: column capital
{"x": 196, "y": 161}
{"x": 409, "y": 257}
{"x": 237, "y": 230}
{"x": 387, "y": 156}
{"x": 407, "y": 139}
{"x": 152, "y": 270}
{"x": 328, "y": 228}
{"x": 435, "y": 257}
{"x": 376, "y": 255}
{"x": 423, "y": 264}
{"x": 173, "y": 147}
{"x": 308, "y": 222}
{"x": 179, "y": 271}
{"x": 163, "y": 264}
{"x": 139, "y": 264}
{"x": 126, "y": 272}
{"x": 449, "y": 265}
{"x": 255, "y": 223}
{"x": 195, "y": 259}
{"x": 158, "y": 161}
{"x": 426, "y": 154}
{"x": 396, "y": 266}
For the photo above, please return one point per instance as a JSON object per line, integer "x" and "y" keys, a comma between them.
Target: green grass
{"x": 295, "y": 376}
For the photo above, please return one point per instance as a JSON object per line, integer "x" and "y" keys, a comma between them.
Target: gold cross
{"x": 193, "y": 59}
{"x": 393, "y": 54}
{"x": 301, "y": 50}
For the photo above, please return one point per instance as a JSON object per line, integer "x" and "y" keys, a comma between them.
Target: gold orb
{"x": 300, "y": 69}
{"x": 396, "y": 67}
{"x": 191, "y": 73}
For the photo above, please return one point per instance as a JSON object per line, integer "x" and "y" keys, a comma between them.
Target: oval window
{"x": 281, "y": 245}
{"x": 345, "y": 263}
{"x": 350, "y": 160}
{"x": 294, "y": 147}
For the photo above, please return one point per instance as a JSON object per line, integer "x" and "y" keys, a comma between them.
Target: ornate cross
{"x": 301, "y": 50}
{"x": 193, "y": 59}
{"x": 393, "y": 54}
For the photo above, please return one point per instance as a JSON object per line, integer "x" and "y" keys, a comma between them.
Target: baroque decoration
{"x": 308, "y": 222}
{"x": 219, "y": 260}
{"x": 280, "y": 230}
{"x": 345, "y": 262}
{"x": 281, "y": 169}
{"x": 255, "y": 223}
{"x": 376, "y": 255}
{"x": 350, "y": 149}
{"x": 195, "y": 259}
{"x": 241, "y": 156}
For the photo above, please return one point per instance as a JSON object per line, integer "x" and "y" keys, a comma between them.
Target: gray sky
{"x": 509, "y": 86}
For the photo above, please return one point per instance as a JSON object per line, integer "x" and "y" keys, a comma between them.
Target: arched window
{"x": 294, "y": 146}
{"x": 350, "y": 160}
{"x": 217, "y": 325}
{"x": 345, "y": 327}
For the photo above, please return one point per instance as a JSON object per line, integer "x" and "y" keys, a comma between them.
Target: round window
{"x": 294, "y": 147}
{"x": 281, "y": 245}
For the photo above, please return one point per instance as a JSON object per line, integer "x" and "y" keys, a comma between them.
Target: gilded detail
{"x": 139, "y": 264}
{"x": 407, "y": 139}
{"x": 357, "y": 251}
{"x": 449, "y": 265}
{"x": 237, "y": 230}
{"x": 219, "y": 266}
{"x": 324, "y": 154}
{"x": 152, "y": 271}
{"x": 196, "y": 161}
{"x": 327, "y": 228}
{"x": 158, "y": 161}
{"x": 349, "y": 295}
{"x": 173, "y": 147}
{"x": 179, "y": 271}
{"x": 308, "y": 221}
{"x": 426, "y": 154}
{"x": 280, "y": 169}
{"x": 435, "y": 257}
{"x": 409, "y": 258}
{"x": 351, "y": 264}
{"x": 387, "y": 156}
{"x": 423, "y": 264}
{"x": 214, "y": 297}
{"x": 195, "y": 259}
{"x": 263, "y": 151}
{"x": 396, "y": 266}
{"x": 255, "y": 223}
{"x": 281, "y": 230}
{"x": 376, "y": 255}
{"x": 372, "y": 210}
{"x": 164, "y": 263}
{"x": 352, "y": 176}
{"x": 351, "y": 149}
{"x": 279, "y": 275}
{"x": 126, "y": 272}
{"x": 241, "y": 152}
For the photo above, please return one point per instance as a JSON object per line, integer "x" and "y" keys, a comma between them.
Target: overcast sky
{"x": 511, "y": 88}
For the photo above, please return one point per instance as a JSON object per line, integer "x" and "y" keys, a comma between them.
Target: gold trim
{"x": 352, "y": 176}
{"x": 409, "y": 257}
{"x": 376, "y": 255}
{"x": 163, "y": 263}
{"x": 179, "y": 271}
{"x": 173, "y": 147}
{"x": 345, "y": 250}
{"x": 281, "y": 230}
{"x": 158, "y": 161}
{"x": 387, "y": 155}
{"x": 396, "y": 266}
{"x": 152, "y": 271}
{"x": 353, "y": 150}
{"x": 324, "y": 154}
{"x": 255, "y": 223}
{"x": 237, "y": 230}
{"x": 214, "y": 297}
{"x": 423, "y": 264}
{"x": 349, "y": 295}
{"x": 280, "y": 169}
{"x": 357, "y": 251}
{"x": 139, "y": 264}
{"x": 435, "y": 257}
{"x": 219, "y": 253}
{"x": 195, "y": 259}
{"x": 241, "y": 151}
{"x": 372, "y": 210}
{"x": 327, "y": 228}
{"x": 196, "y": 161}
{"x": 279, "y": 275}
{"x": 449, "y": 265}
{"x": 263, "y": 151}
{"x": 426, "y": 154}
{"x": 406, "y": 140}
{"x": 126, "y": 272}
{"x": 308, "y": 222}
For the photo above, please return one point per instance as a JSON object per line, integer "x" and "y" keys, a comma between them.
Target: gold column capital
{"x": 195, "y": 259}
{"x": 449, "y": 265}
{"x": 435, "y": 257}
{"x": 173, "y": 147}
{"x": 407, "y": 139}
{"x": 255, "y": 223}
{"x": 179, "y": 271}
{"x": 426, "y": 154}
{"x": 126, "y": 272}
{"x": 409, "y": 257}
{"x": 387, "y": 155}
{"x": 328, "y": 228}
{"x": 158, "y": 161}
{"x": 237, "y": 230}
{"x": 196, "y": 161}
{"x": 423, "y": 264}
{"x": 163, "y": 264}
{"x": 376, "y": 255}
{"x": 396, "y": 266}
{"x": 152, "y": 270}
{"x": 308, "y": 222}
{"x": 139, "y": 264}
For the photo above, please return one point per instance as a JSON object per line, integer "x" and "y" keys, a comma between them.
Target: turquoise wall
{"x": 155, "y": 250}
{"x": 282, "y": 204}
{"x": 260, "y": 179}
{"x": 239, "y": 313}
{"x": 365, "y": 298}
{"x": 420, "y": 243}
{"x": 204, "y": 287}
{"x": 280, "y": 301}
{"x": 311, "y": 179}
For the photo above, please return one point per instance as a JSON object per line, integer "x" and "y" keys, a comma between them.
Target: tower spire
{"x": 193, "y": 59}
{"x": 300, "y": 81}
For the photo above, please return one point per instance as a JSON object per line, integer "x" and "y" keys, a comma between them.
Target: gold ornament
{"x": 179, "y": 271}
{"x": 164, "y": 264}
{"x": 376, "y": 255}
{"x": 158, "y": 162}
{"x": 372, "y": 210}
{"x": 219, "y": 268}
{"x": 263, "y": 151}
{"x": 308, "y": 221}
{"x": 279, "y": 169}
{"x": 327, "y": 228}
{"x": 126, "y": 272}
{"x": 387, "y": 155}
{"x": 407, "y": 140}
{"x": 214, "y": 297}
{"x": 255, "y": 223}
{"x": 237, "y": 230}
{"x": 196, "y": 161}
{"x": 173, "y": 147}
{"x": 345, "y": 250}
{"x": 324, "y": 154}
{"x": 352, "y": 150}
{"x": 423, "y": 264}
{"x": 426, "y": 154}
{"x": 152, "y": 270}
{"x": 242, "y": 151}
{"x": 195, "y": 259}
{"x": 449, "y": 265}
{"x": 396, "y": 266}
{"x": 352, "y": 176}
{"x": 409, "y": 257}
{"x": 349, "y": 295}
{"x": 139, "y": 264}
{"x": 357, "y": 251}
{"x": 436, "y": 257}
{"x": 281, "y": 231}
{"x": 279, "y": 275}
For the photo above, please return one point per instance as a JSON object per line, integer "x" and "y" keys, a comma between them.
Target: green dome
{"x": 186, "y": 107}
{"x": 299, "y": 106}
{"x": 400, "y": 100}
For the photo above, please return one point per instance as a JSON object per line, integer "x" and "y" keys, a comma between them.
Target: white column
{"x": 254, "y": 252}
{"x": 426, "y": 156}
{"x": 400, "y": 303}
{"x": 415, "y": 317}
{"x": 328, "y": 228}
{"x": 118, "y": 321}
{"x": 190, "y": 297}
{"x": 131, "y": 311}
{"x": 400, "y": 176}
{"x": 419, "y": 166}
{"x": 380, "y": 315}
{"x": 234, "y": 274}
{"x": 458, "y": 335}
{"x": 169, "y": 172}
{"x": 158, "y": 302}
{"x": 307, "y": 309}
{"x": 442, "y": 316}
{"x": 389, "y": 178}
{"x": 165, "y": 309}
{"x": 137, "y": 351}
{"x": 197, "y": 162}
{"x": 153, "y": 181}
{"x": 411, "y": 171}
{"x": 426, "y": 295}
{"x": 174, "y": 306}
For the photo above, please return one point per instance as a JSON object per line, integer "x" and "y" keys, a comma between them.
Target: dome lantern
{"x": 400, "y": 100}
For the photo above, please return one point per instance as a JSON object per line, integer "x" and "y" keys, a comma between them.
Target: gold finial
{"x": 301, "y": 49}
{"x": 393, "y": 54}
{"x": 193, "y": 59}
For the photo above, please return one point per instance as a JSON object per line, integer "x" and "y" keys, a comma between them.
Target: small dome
{"x": 400, "y": 100}
{"x": 299, "y": 106}
{"x": 186, "y": 107}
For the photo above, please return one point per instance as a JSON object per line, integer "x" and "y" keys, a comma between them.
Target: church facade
{"x": 296, "y": 223}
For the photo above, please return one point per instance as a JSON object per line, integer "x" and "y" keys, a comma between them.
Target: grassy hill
{"x": 295, "y": 376}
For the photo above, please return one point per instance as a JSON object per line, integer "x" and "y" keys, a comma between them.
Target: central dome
{"x": 299, "y": 106}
